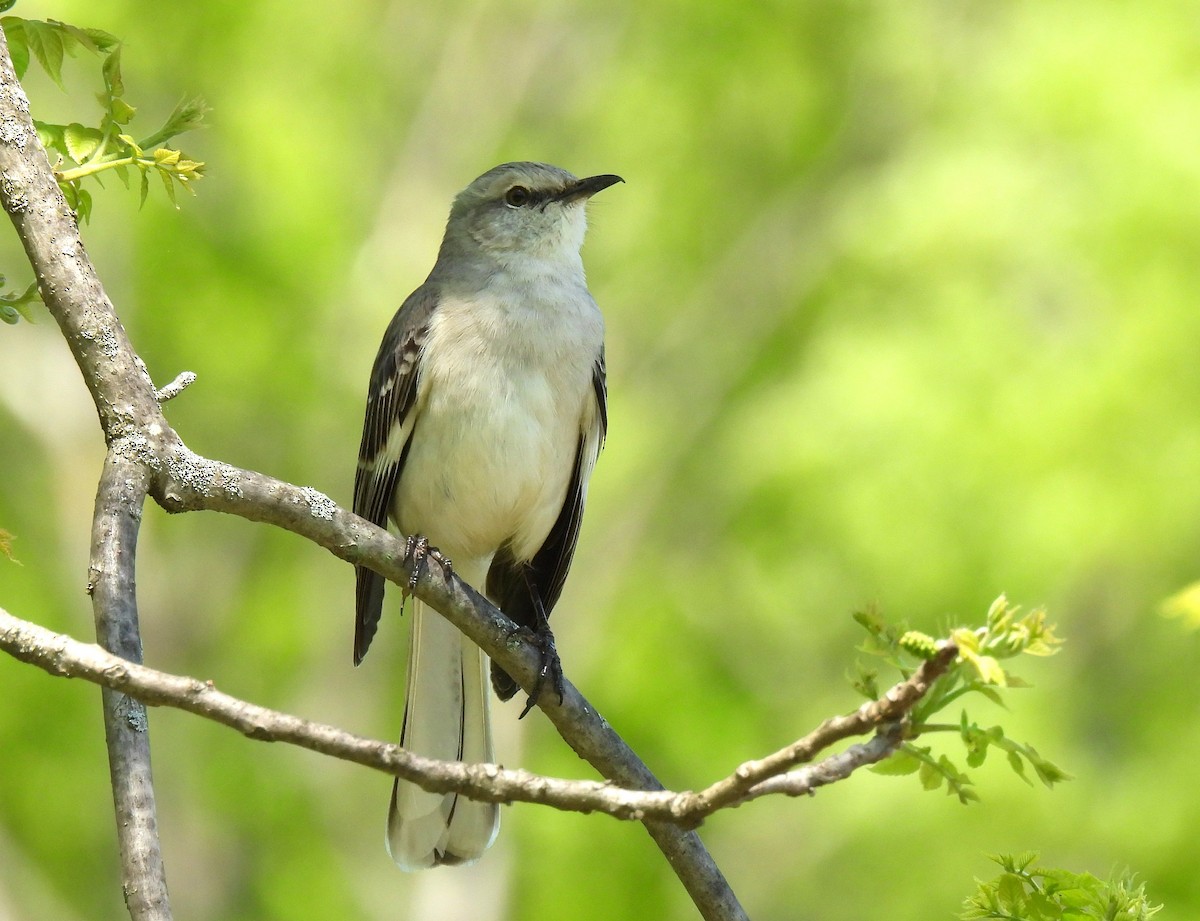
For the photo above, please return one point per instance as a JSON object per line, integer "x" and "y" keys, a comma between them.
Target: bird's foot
{"x": 550, "y": 669}
{"x": 417, "y": 553}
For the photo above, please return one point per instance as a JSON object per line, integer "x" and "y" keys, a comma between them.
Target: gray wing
{"x": 387, "y": 431}
{"x": 519, "y": 588}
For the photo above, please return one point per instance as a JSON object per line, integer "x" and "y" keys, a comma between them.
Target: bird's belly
{"x": 489, "y": 464}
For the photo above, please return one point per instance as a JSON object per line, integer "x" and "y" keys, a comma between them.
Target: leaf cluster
{"x": 87, "y": 151}
{"x": 1024, "y": 892}
{"x": 1006, "y": 634}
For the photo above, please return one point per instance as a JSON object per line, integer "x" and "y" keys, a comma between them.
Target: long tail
{"x": 446, "y": 715}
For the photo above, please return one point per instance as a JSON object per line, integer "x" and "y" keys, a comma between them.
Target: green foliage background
{"x": 902, "y": 308}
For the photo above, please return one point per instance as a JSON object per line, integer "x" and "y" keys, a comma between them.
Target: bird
{"x": 486, "y": 413}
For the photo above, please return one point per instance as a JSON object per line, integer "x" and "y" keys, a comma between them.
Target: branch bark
{"x": 119, "y": 501}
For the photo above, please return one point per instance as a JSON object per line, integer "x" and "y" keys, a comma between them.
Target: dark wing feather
{"x": 600, "y": 385}
{"x": 390, "y": 398}
{"x": 519, "y": 588}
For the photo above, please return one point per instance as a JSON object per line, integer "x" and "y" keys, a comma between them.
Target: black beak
{"x": 586, "y": 188}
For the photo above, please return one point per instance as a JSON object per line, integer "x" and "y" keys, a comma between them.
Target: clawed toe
{"x": 417, "y": 553}
{"x": 549, "y": 670}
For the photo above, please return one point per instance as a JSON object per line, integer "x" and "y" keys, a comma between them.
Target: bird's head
{"x": 523, "y": 210}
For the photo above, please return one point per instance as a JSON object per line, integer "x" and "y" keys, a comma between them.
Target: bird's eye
{"x": 517, "y": 196}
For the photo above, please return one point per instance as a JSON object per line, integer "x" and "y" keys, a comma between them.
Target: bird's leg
{"x": 543, "y": 638}
{"x": 417, "y": 552}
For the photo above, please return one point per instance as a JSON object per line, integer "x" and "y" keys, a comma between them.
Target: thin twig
{"x": 804, "y": 781}
{"x": 183, "y": 380}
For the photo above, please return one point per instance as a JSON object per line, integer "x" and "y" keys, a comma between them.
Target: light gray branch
{"x": 61, "y": 655}
{"x": 118, "y": 513}
{"x": 183, "y": 380}
{"x": 805, "y": 781}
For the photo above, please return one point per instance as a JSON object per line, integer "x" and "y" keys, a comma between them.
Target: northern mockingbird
{"x": 485, "y": 415}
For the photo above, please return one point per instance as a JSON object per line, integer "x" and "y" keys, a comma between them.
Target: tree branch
{"x": 119, "y": 501}
{"x": 63, "y": 656}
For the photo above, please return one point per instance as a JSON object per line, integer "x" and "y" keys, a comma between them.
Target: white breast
{"x": 505, "y": 394}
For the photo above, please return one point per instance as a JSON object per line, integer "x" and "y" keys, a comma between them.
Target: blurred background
{"x": 902, "y": 309}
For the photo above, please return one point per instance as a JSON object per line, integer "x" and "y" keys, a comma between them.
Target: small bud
{"x": 919, "y": 644}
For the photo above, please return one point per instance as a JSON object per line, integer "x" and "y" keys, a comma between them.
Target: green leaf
{"x": 25, "y": 302}
{"x": 66, "y": 35}
{"x": 966, "y": 640}
{"x": 1018, "y": 765}
{"x": 987, "y": 667}
{"x": 83, "y": 205}
{"x": 1048, "y": 772}
{"x": 18, "y": 46}
{"x": 865, "y": 681}
{"x": 931, "y": 778}
{"x": 104, "y": 41}
{"x": 6, "y": 5}
{"x": 129, "y": 142}
{"x": 1010, "y": 889}
{"x": 46, "y": 43}
{"x": 145, "y": 187}
{"x": 898, "y": 765}
{"x": 81, "y": 142}
{"x": 52, "y": 137}
{"x": 111, "y": 70}
{"x": 991, "y": 693}
{"x": 73, "y": 35}
{"x": 121, "y": 112}
{"x": 170, "y": 184}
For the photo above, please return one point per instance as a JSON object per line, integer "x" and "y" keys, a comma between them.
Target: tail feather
{"x": 447, "y": 716}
